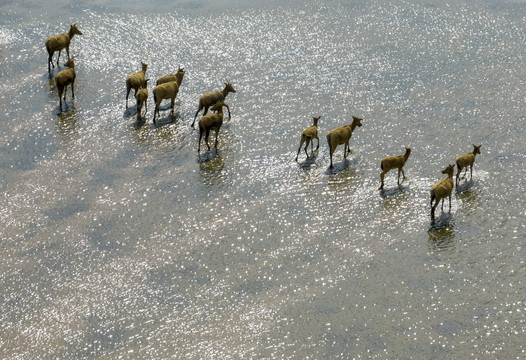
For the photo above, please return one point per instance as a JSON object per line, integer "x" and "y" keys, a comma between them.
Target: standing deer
{"x": 167, "y": 90}
{"x": 172, "y": 77}
{"x": 58, "y": 43}
{"x": 342, "y": 135}
{"x": 135, "y": 80}
{"x": 394, "y": 162}
{"x": 210, "y": 98}
{"x": 442, "y": 189}
{"x": 65, "y": 78}
{"x": 463, "y": 161}
{"x": 142, "y": 97}
{"x": 211, "y": 122}
{"x": 308, "y": 135}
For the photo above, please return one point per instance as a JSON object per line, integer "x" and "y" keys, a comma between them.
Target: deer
{"x": 342, "y": 135}
{"x": 58, "y": 43}
{"x": 308, "y": 135}
{"x": 210, "y": 98}
{"x": 394, "y": 162}
{"x": 442, "y": 189}
{"x": 135, "y": 80}
{"x": 463, "y": 161}
{"x": 65, "y": 78}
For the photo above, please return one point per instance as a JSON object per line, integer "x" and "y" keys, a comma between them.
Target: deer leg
{"x": 60, "y": 99}
{"x": 50, "y": 62}
{"x": 299, "y": 149}
{"x": 318, "y": 146}
{"x": 433, "y": 207}
{"x": 306, "y": 146}
{"x": 382, "y": 175}
{"x": 197, "y": 112}
{"x": 200, "y": 136}
{"x": 217, "y": 134}
{"x": 128, "y": 88}
{"x": 206, "y": 138}
{"x": 155, "y": 112}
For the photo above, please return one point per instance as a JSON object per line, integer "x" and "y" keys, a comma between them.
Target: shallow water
{"x": 119, "y": 241}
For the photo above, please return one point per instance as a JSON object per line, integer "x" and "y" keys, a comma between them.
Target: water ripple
{"x": 119, "y": 240}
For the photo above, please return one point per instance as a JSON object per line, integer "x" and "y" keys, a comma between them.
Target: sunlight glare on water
{"x": 120, "y": 241}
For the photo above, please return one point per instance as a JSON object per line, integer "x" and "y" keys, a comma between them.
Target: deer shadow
{"x": 341, "y": 166}
{"x": 309, "y": 161}
{"x": 464, "y": 186}
{"x": 394, "y": 191}
{"x": 208, "y": 155}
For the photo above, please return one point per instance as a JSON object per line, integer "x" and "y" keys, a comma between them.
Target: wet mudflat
{"x": 119, "y": 241}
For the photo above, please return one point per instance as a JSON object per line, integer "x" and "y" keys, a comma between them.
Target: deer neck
{"x": 71, "y": 34}
{"x": 220, "y": 112}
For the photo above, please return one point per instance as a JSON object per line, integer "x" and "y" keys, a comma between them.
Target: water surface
{"x": 120, "y": 241}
